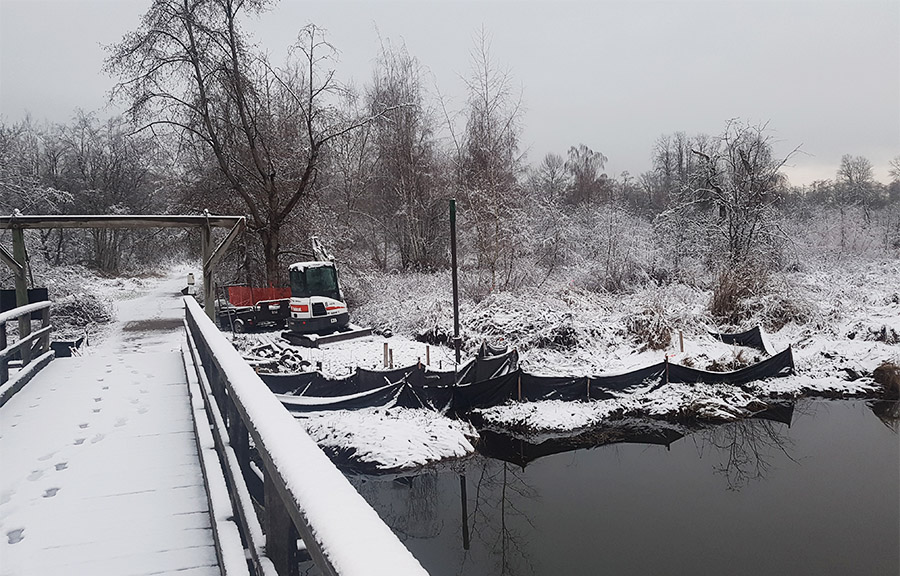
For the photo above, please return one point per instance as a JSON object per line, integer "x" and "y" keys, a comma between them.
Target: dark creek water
{"x": 818, "y": 496}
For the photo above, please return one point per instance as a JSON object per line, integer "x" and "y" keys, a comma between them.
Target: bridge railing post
{"x": 45, "y": 339}
{"x": 4, "y": 362}
{"x": 281, "y": 534}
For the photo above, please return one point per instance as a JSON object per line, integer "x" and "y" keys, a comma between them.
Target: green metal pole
{"x": 455, "y": 281}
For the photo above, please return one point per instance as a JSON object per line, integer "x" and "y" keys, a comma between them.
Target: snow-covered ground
{"x": 841, "y": 321}
{"x": 390, "y": 438}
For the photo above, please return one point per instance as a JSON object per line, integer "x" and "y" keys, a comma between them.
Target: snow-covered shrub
{"x": 405, "y": 303}
{"x": 73, "y": 313}
{"x": 650, "y": 326}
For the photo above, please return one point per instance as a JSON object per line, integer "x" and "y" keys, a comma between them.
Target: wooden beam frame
{"x": 205, "y": 222}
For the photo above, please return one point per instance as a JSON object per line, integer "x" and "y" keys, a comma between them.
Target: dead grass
{"x": 888, "y": 376}
{"x": 650, "y": 326}
{"x": 733, "y": 287}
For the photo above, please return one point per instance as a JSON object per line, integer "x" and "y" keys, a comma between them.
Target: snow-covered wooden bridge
{"x": 131, "y": 459}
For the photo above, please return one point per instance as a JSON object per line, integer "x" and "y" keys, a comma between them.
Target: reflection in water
{"x": 831, "y": 470}
{"x": 888, "y": 411}
{"x": 498, "y": 520}
{"x": 746, "y": 448}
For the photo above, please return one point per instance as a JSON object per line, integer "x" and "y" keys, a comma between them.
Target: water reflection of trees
{"x": 498, "y": 521}
{"x": 748, "y": 449}
{"x": 888, "y": 411}
{"x": 416, "y": 514}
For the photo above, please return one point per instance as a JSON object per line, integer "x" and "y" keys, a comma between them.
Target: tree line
{"x": 212, "y": 122}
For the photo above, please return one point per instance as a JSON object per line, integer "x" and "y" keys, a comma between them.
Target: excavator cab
{"x": 317, "y": 302}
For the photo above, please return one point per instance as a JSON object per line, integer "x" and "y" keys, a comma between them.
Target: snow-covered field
{"x": 842, "y": 321}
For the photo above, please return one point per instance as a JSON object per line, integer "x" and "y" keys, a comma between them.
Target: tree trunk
{"x": 271, "y": 239}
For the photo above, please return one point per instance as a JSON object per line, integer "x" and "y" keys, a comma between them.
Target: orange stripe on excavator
{"x": 334, "y": 308}
{"x": 300, "y": 307}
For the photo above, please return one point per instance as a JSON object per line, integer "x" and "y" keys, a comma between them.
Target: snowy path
{"x": 100, "y": 473}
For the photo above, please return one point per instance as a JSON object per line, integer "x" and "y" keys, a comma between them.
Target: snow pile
{"x": 552, "y": 415}
{"x": 386, "y": 439}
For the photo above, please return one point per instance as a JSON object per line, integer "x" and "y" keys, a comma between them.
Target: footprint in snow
{"x": 97, "y": 438}
{"x": 15, "y": 536}
{"x": 121, "y": 422}
{"x": 61, "y": 465}
{"x": 46, "y": 456}
{"x": 50, "y": 492}
{"x": 98, "y": 399}
{"x": 6, "y": 496}
{"x": 83, "y": 425}
{"x": 79, "y": 441}
{"x": 96, "y": 410}
{"x": 106, "y": 387}
{"x": 35, "y": 474}
{"x": 143, "y": 410}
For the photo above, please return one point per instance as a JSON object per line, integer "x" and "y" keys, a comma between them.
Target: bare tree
{"x": 585, "y": 166}
{"x": 190, "y": 70}
{"x": 741, "y": 180}
{"x": 407, "y": 181}
{"x": 488, "y": 165}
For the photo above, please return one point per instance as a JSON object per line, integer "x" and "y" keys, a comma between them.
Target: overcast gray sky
{"x": 614, "y": 75}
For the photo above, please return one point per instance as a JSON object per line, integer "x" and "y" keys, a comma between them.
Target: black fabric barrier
{"x": 487, "y": 367}
{"x": 416, "y": 387}
{"x": 603, "y": 387}
{"x": 752, "y": 338}
{"x": 386, "y": 396}
{"x": 778, "y": 365}
{"x": 553, "y": 387}
{"x": 485, "y": 394}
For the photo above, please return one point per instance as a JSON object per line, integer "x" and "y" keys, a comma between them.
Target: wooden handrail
{"x": 15, "y": 313}
{"x": 30, "y": 345}
{"x": 305, "y": 494}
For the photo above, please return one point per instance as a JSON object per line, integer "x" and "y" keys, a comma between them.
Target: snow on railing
{"x": 33, "y": 347}
{"x": 304, "y": 493}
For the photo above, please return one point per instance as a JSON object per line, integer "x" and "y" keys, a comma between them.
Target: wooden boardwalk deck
{"x": 99, "y": 471}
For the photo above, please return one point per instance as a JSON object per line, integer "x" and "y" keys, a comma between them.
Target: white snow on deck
{"x": 100, "y": 473}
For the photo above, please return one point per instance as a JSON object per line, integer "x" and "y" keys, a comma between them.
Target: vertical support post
{"x": 18, "y": 238}
{"x": 240, "y": 440}
{"x": 428, "y": 355}
{"x": 385, "y": 363}
{"x": 4, "y": 363}
{"x": 281, "y": 534}
{"x": 206, "y": 248}
{"x": 391, "y": 359}
{"x": 45, "y": 339}
{"x": 455, "y": 281}
{"x": 681, "y": 340}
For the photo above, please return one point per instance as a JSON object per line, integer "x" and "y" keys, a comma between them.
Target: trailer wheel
{"x": 239, "y": 326}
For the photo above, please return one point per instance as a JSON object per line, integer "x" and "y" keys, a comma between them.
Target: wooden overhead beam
{"x": 35, "y": 222}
